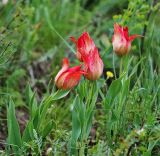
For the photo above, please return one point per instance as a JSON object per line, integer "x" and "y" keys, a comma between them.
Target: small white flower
{"x": 49, "y": 150}
{"x": 139, "y": 132}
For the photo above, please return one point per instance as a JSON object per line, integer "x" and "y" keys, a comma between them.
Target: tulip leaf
{"x": 28, "y": 132}
{"x": 47, "y": 128}
{"x": 46, "y": 103}
{"x": 31, "y": 100}
{"x": 76, "y": 124}
{"x": 60, "y": 94}
{"x": 76, "y": 119}
{"x": 36, "y": 119}
{"x": 14, "y": 136}
{"x": 114, "y": 89}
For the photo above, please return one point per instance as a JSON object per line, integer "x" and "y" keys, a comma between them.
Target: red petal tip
{"x": 132, "y": 37}
{"x": 73, "y": 39}
{"x": 65, "y": 61}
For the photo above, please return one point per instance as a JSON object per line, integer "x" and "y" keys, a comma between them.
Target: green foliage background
{"x": 34, "y": 37}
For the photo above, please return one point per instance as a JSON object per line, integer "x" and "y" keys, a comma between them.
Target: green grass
{"x": 121, "y": 118}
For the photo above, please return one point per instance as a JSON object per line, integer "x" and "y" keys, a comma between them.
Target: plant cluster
{"x": 107, "y": 103}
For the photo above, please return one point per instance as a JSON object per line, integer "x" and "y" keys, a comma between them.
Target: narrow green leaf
{"x": 60, "y": 94}
{"x": 48, "y": 101}
{"x": 76, "y": 126}
{"x": 54, "y": 30}
{"x": 114, "y": 89}
{"x": 14, "y": 136}
{"x": 31, "y": 100}
{"x": 47, "y": 128}
{"x": 28, "y": 132}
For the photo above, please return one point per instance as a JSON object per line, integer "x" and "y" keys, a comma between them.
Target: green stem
{"x": 90, "y": 105}
{"x": 121, "y": 66}
{"x": 113, "y": 63}
{"x": 81, "y": 151}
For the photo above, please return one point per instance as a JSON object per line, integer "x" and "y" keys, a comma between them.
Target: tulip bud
{"x": 121, "y": 40}
{"x": 68, "y": 78}
{"x": 88, "y": 53}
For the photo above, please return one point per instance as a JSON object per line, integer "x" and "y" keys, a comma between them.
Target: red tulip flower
{"x": 121, "y": 40}
{"x": 67, "y": 78}
{"x": 88, "y": 53}
{"x": 84, "y": 45}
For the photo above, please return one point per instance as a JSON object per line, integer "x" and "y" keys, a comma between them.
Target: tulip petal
{"x": 132, "y": 37}
{"x": 67, "y": 77}
{"x": 88, "y": 53}
{"x": 93, "y": 65}
{"x": 73, "y": 39}
{"x": 85, "y": 44}
{"x": 72, "y": 79}
{"x": 121, "y": 40}
{"x": 125, "y": 33}
{"x": 117, "y": 29}
{"x": 65, "y": 66}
